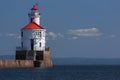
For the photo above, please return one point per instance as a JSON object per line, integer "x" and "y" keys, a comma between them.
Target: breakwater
{"x": 24, "y": 64}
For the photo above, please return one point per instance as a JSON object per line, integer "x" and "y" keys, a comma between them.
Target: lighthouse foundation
{"x": 29, "y": 59}
{"x": 25, "y": 64}
{"x": 39, "y": 58}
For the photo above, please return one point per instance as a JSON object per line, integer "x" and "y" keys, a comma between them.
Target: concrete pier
{"x": 16, "y": 64}
{"x": 24, "y": 64}
{"x": 27, "y": 59}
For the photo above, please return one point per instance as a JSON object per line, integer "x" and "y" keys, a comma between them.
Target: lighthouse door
{"x": 32, "y": 44}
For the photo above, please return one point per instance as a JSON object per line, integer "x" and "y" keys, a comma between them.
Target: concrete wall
{"x": 44, "y": 60}
{"x": 25, "y": 64}
{"x": 16, "y": 64}
{"x": 46, "y": 64}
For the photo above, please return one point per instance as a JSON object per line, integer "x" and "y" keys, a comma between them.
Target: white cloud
{"x": 60, "y": 35}
{"x": 18, "y": 37}
{"x": 52, "y": 35}
{"x": 112, "y": 36}
{"x": 75, "y": 34}
{"x": 85, "y": 32}
{"x": 11, "y": 34}
{"x": 74, "y": 37}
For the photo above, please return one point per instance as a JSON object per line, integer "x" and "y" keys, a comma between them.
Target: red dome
{"x": 35, "y": 7}
{"x": 32, "y": 25}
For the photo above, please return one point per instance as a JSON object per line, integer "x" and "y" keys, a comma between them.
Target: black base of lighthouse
{"x": 40, "y": 58}
{"x": 29, "y": 55}
{"x": 37, "y": 63}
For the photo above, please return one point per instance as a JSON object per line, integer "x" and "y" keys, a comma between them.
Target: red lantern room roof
{"x": 32, "y": 25}
{"x": 35, "y": 7}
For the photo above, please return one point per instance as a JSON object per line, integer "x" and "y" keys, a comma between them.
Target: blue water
{"x": 103, "y": 72}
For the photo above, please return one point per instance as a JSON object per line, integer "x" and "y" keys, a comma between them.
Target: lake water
{"x": 62, "y": 72}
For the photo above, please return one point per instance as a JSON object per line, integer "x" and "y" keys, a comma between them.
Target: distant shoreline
{"x": 75, "y": 61}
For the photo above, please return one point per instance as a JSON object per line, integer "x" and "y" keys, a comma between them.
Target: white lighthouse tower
{"x": 33, "y": 41}
{"x": 34, "y": 15}
{"x": 33, "y": 35}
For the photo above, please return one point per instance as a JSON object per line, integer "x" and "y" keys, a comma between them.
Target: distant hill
{"x": 86, "y": 61}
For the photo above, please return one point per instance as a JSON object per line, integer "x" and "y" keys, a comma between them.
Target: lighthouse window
{"x": 37, "y": 33}
{"x": 21, "y": 34}
{"x": 40, "y": 44}
{"x": 40, "y": 34}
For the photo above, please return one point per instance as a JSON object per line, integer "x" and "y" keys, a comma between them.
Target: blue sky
{"x": 75, "y": 28}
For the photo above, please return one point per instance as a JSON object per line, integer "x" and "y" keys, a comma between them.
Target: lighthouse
{"x": 33, "y": 34}
{"x": 33, "y": 41}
